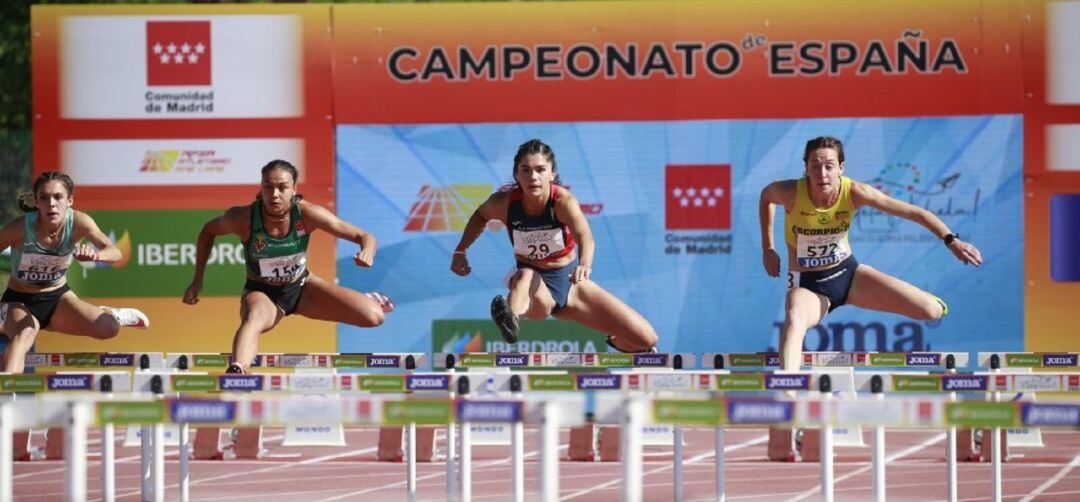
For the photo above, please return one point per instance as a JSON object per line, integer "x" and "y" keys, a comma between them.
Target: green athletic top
{"x": 276, "y": 261}
{"x": 34, "y": 264}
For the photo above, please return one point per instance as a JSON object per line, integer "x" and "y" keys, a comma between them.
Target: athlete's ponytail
{"x": 27, "y": 203}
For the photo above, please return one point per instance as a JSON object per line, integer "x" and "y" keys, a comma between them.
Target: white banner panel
{"x": 175, "y": 161}
{"x": 176, "y": 67}
{"x": 1062, "y": 44}
{"x": 1063, "y": 147}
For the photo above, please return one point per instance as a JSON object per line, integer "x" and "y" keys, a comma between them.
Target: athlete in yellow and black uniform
{"x": 822, "y": 261}
{"x": 822, "y": 271}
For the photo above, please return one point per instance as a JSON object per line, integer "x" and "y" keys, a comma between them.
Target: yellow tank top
{"x": 819, "y": 236}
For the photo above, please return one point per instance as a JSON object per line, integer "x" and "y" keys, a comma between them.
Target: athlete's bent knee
{"x": 105, "y": 326}
{"x": 371, "y": 317}
{"x": 931, "y": 309}
{"x": 522, "y": 275}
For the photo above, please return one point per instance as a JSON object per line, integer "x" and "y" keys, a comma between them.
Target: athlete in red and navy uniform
{"x": 546, "y": 227}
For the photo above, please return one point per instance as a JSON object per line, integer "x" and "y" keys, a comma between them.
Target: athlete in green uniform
{"x": 43, "y": 243}
{"x": 275, "y": 230}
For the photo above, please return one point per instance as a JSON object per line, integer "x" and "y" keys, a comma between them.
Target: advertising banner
{"x": 170, "y": 67}
{"x": 159, "y": 257}
{"x": 457, "y": 336}
{"x": 639, "y": 60}
{"x": 166, "y": 162}
{"x": 673, "y": 207}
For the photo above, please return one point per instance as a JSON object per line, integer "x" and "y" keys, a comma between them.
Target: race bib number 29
{"x": 538, "y": 244}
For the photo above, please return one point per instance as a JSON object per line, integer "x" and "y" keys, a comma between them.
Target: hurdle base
{"x": 583, "y": 441}
{"x": 54, "y": 443}
{"x": 970, "y": 450}
{"x": 391, "y": 444}
{"x": 20, "y": 446}
{"x": 782, "y": 445}
{"x": 810, "y": 446}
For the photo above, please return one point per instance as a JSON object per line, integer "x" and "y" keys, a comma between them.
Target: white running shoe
{"x": 384, "y": 301}
{"x": 129, "y": 317}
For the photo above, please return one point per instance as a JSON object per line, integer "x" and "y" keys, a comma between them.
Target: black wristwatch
{"x": 948, "y": 239}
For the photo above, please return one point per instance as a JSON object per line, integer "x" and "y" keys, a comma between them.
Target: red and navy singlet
{"x": 540, "y": 238}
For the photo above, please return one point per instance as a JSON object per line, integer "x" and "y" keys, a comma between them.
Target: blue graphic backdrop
{"x": 966, "y": 169}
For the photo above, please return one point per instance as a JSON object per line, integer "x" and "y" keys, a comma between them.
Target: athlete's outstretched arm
{"x": 229, "y": 223}
{"x": 568, "y": 211}
{"x": 104, "y": 250}
{"x": 323, "y": 219}
{"x": 494, "y": 208}
{"x": 780, "y": 193}
{"x": 863, "y": 194}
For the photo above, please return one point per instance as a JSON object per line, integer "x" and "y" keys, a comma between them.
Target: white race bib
{"x": 816, "y": 251}
{"x": 538, "y": 244}
{"x": 34, "y": 267}
{"x": 282, "y": 269}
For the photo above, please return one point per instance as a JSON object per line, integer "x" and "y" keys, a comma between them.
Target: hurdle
{"x": 632, "y": 382}
{"x": 698, "y": 409}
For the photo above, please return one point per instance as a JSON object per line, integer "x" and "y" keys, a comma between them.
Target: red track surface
{"x": 915, "y": 471}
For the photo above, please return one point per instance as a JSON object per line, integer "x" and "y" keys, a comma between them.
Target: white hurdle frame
{"x": 78, "y": 420}
{"x": 950, "y": 454}
{"x": 631, "y": 411}
{"x": 158, "y": 461}
{"x": 995, "y": 449}
{"x": 185, "y": 469}
{"x": 631, "y": 449}
{"x": 6, "y": 442}
{"x": 677, "y": 458}
{"x": 721, "y": 459}
{"x": 517, "y": 456}
{"x": 410, "y": 460}
{"x": 826, "y": 455}
{"x": 451, "y": 445}
{"x": 466, "y": 462}
{"x": 877, "y": 452}
{"x": 145, "y": 457}
{"x": 549, "y": 452}
{"x": 108, "y": 462}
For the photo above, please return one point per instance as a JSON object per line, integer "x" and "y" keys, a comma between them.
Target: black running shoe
{"x": 235, "y": 368}
{"x": 505, "y": 319}
{"x": 650, "y": 350}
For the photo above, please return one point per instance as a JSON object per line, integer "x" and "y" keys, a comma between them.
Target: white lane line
{"x": 618, "y": 480}
{"x": 498, "y": 461}
{"x": 1050, "y": 482}
{"x": 277, "y": 467}
{"x": 817, "y": 489}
